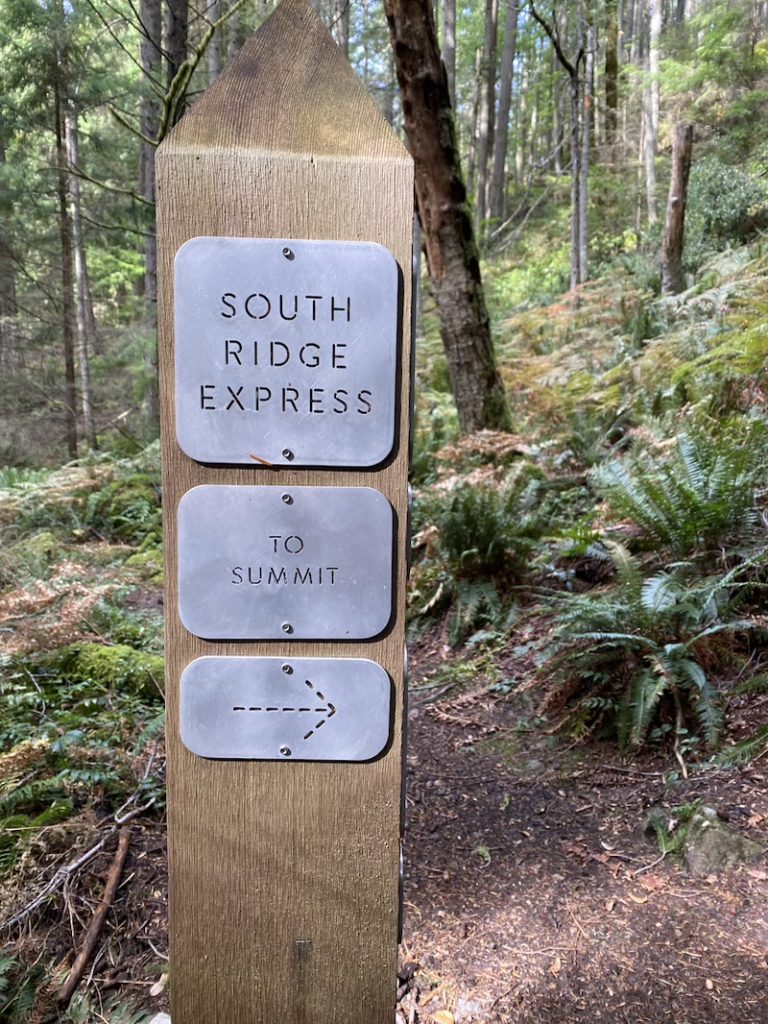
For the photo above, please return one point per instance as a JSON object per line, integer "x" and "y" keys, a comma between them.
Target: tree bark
{"x": 571, "y": 68}
{"x": 501, "y": 135}
{"x": 521, "y": 124}
{"x": 651, "y": 105}
{"x": 586, "y": 140}
{"x": 485, "y": 116}
{"x": 342, "y": 26}
{"x": 215, "y": 47}
{"x": 477, "y": 87}
{"x": 84, "y": 318}
{"x": 672, "y": 280}
{"x": 176, "y": 29}
{"x": 452, "y": 256}
{"x": 151, "y": 64}
{"x": 611, "y": 74}
{"x": 65, "y": 239}
{"x": 448, "y": 49}
{"x": 236, "y": 33}
{"x": 8, "y": 307}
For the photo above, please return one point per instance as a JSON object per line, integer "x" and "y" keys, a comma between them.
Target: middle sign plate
{"x": 289, "y": 563}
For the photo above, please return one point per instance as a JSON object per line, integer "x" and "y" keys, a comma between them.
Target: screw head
{"x": 285, "y": 751}
{"x": 288, "y": 669}
{"x": 288, "y": 253}
{"x": 287, "y": 499}
{"x": 287, "y": 627}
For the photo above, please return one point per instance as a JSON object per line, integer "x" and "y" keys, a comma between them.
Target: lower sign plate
{"x": 289, "y": 563}
{"x": 287, "y": 709}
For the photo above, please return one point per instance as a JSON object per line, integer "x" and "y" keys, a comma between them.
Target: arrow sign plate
{"x": 287, "y": 709}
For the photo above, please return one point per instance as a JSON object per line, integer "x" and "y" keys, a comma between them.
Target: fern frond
{"x": 709, "y": 713}
{"x": 648, "y": 690}
{"x": 745, "y": 751}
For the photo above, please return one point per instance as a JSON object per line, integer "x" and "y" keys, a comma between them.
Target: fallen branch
{"x": 62, "y": 874}
{"x": 94, "y": 928}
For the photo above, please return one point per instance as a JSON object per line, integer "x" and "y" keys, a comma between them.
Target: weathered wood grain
{"x": 284, "y": 876}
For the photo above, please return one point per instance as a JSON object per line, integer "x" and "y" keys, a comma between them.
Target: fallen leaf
{"x": 637, "y": 899}
{"x": 443, "y": 1017}
{"x": 609, "y": 905}
{"x": 556, "y": 966}
{"x": 758, "y": 874}
{"x": 651, "y": 883}
{"x": 159, "y": 986}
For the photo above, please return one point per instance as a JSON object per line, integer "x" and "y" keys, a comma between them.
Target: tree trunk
{"x": 151, "y": 64}
{"x": 452, "y": 256}
{"x": 611, "y": 74}
{"x": 586, "y": 133}
{"x": 176, "y": 28}
{"x": 501, "y": 135}
{"x": 485, "y": 117}
{"x": 651, "y": 105}
{"x": 448, "y": 50}
{"x": 236, "y": 33}
{"x": 575, "y": 182}
{"x": 342, "y": 25}
{"x": 478, "y": 85}
{"x": 8, "y": 307}
{"x": 84, "y": 318}
{"x": 521, "y": 123}
{"x": 571, "y": 67}
{"x": 65, "y": 239}
{"x": 215, "y": 46}
{"x": 557, "y": 119}
{"x": 672, "y": 281}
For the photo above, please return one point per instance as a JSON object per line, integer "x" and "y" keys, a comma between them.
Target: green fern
{"x": 477, "y": 604}
{"x": 487, "y": 530}
{"x": 693, "y": 499}
{"x": 745, "y": 751}
{"x": 639, "y": 645}
{"x": 753, "y": 687}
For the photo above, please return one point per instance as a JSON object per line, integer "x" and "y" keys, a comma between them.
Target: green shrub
{"x": 126, "y": 509}
{"x": 110, "y": 667}
{"x": 725, "y": 206}
{"x": 30, "y": 557}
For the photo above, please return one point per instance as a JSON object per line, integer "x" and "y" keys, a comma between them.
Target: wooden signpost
{"x": 285, "y": 245}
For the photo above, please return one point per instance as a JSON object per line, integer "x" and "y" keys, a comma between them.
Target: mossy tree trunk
{"x": 441, "y": 195}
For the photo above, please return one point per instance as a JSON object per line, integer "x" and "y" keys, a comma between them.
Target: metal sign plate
{"x": 295, "y": 709}
{"x": 301, "y": 563}
{"x": 286, "y": 351}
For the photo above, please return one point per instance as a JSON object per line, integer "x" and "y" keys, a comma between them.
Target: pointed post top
{"x": 289, "y": 89}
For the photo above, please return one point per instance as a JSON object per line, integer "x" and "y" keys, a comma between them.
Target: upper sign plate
{"x": 286, "y": 351}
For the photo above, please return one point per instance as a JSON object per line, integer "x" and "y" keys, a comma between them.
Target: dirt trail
{"x": 532, "y": 896}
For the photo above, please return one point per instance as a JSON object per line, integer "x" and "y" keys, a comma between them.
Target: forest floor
{"x": 531, "y": 894}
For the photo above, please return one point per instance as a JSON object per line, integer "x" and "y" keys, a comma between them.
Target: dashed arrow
{"x": 329, "y": 711}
